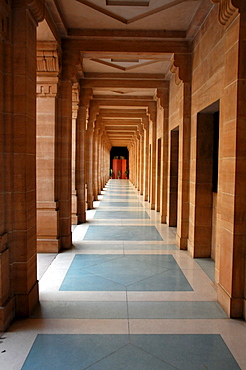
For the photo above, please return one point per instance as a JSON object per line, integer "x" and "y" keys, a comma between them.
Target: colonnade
{"x": 55, "y": 147}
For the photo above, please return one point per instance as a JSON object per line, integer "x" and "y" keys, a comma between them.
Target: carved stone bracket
{"x": 162, "y": 98}
{"x": 181, "y": 67}
{"x": 175, "y": 70}
{"x": 228, "y": 9}
{"x": 152, "y": 114}
{"x": 37, "y": 9}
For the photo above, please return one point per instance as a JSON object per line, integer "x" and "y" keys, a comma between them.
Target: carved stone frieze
{"x": 47, "y": 61}
{"x": 75, "y": 100}
{"x": 228, "y": 9}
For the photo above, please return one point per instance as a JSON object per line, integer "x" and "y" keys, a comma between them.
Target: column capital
{"x": 85, "y": 97}
{"x": 93, "y": 111}
{"x": 48, "y": 69}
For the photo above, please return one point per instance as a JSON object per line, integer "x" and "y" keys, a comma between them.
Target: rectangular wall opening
{"x": 173, "y": 186}
{"x": 207, "y": 175}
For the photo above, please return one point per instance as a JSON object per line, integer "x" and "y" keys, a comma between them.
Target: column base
{"x": 163, "y": 219}
{"x": 234, "y": 307}
{"x": 48, "y": 245}
{"x": 181, "y": 242}
{"x": 48, "y": 240}
{"x": 66, "y": 242}
{"x": 81, "y": 219}
{"x": 7, "y": 314}
{"x": 25, "y": 303}
{"x": 74, "y": 219}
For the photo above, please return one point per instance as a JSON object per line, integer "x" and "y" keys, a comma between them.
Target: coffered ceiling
{"x": 122, "y": 51}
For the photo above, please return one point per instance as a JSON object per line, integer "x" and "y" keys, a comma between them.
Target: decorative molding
{"x": 37, "y": 9}
{"x": 46, "y": 87}
{"x": 227, "y": 11}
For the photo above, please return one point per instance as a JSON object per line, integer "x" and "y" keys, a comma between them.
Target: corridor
{"x": 125, "y": 297}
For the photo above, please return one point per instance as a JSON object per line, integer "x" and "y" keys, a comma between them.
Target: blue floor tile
{"x": 188, "y": 351}
{"x": 89, "y": 282}
{"x": 170, "y": 280}
{"x": 73, "y": 352}
{"x": 134, "y": 352}
{"x": 120, "y": 204}
{"x": 119, "y": 196}
{"x": 134, "y": 233}
{"x": 126, "y": 215}
{"x": 108, "y": 273}
{"x": 129, "y": 358}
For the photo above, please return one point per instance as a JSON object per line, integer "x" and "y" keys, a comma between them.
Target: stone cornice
{"x": 228, "y": 9}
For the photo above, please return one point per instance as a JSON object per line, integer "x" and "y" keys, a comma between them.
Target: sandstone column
{"x": 152, "y": 198}
{"x": 182, "y": 69}
{"x": 7, "y": 242}
{"x": 85, "y": 95}
{"x": 89, "y": 154}
{"x": 23, "y": 264}
{"x": 48, "y": 238}
{"x": 75, "y": 106}
{"x": 146, "y": 158}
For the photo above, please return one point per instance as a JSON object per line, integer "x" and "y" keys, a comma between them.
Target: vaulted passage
{"x": 146, "y": 95}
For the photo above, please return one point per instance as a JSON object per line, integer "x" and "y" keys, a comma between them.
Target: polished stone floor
{"x": 124, "y": 297}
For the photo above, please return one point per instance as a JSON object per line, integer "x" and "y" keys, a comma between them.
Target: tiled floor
{"x": 125, "y": 298}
